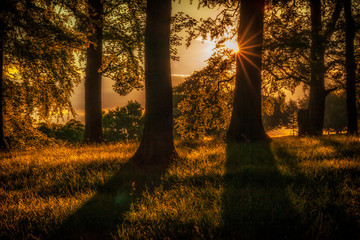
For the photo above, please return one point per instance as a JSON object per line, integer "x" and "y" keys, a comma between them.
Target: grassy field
{"x": 294, "y": 188}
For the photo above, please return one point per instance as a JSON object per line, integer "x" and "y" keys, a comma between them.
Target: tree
{"x": 38, "y": 68}
{"x": 350, "y": 66}
{"x": 125, "y": 123}
{"x": 246, "y": 123}
{"x": 305, "y": 54}
{"x": 312, "y": 119}
{"x": 157, "y": 145}
{"x": 93, "y": 109}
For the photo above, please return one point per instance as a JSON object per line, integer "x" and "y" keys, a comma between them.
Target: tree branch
{"x": 330, "y": 90}
{"x": 330, "y": 28}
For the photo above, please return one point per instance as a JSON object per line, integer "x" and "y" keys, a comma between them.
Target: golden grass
{"x": 41, "y": 188}
{"x": 294, "y": 188}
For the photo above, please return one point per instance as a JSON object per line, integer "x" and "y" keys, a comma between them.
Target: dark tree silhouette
{"x": 157, "y": 146}
{"x": 317, "y": 88}
{"x": 311, "y": 120}
{"x": 93, "y": 109}
{"x": 350, "y": 66}
{"x": 246, "y": 123}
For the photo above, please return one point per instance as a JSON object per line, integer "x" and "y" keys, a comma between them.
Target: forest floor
{"x": 293, "y": 188}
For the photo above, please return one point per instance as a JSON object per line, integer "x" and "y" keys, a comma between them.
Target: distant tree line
{"x": 119, "y": 124}
{"x": 127, "y": 123}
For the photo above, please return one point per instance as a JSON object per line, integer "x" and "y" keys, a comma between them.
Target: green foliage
{"x": 179, "y": 22}
{"x": 39, "y": 70}
{"x": 23, "y": 134}
{"x": 220, "y": 28}
{"x": 123, "y": 123}
{"x": 72, "y": 131}
{"x": 124, "y": 31}
{"x": 286, "y": 46}
{"x": 206, "y": 98}
{"x": 335, "y": 113}
{"x": 39, "y": 63}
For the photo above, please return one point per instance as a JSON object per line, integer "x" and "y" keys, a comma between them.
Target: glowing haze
{"x": 191, "y": 59}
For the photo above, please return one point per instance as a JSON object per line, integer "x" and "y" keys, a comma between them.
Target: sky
{"x": 191, "y": 59}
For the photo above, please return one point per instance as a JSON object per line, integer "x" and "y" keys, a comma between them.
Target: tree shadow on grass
{"x": 255, "y": 199}
{"x": 100, "y": 216}
{"x": 326, "y": 210}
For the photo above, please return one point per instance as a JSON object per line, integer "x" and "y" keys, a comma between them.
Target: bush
{"x": 123, "y": 123}
{"x": 73, "y": 131}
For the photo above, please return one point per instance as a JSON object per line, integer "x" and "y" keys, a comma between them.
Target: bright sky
{"x": 191, "y": 59}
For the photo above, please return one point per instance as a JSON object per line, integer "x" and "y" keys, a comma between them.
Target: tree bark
{"x": 316, "y": 109}
{"x": 3, "y": 145}
{"x": 93, "y": 109}
{"x": 246, "y": 120}
{"x": 157, "y": 146}
{"x": 350, "y": 66}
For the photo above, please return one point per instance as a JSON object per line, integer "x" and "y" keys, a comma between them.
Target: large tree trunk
{"x": 3, "y": 145}
{"x": 157, "y": 146}
{"x": 316, "y": 107}
{"x": 93, "y": 109}
{"x": 246, "y": 120}
{"x": 350, "y": 65}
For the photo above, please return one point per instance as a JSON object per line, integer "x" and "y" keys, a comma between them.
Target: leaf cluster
{"x": 71, "y": 132}
{"x": 123, "y": 123}
{"x": 39, "y": 64}
{"x": 124, "y": 31}
{"x": 206, "y": 98}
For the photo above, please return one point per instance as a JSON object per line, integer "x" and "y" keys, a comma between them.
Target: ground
{"x": 293, "y": 188}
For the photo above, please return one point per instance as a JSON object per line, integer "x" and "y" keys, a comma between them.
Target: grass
{"x": 294, "y": 188}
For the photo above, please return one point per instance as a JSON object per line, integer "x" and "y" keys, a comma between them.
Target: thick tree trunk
{"x": 246, "y": 120}
{"x": 157, "y": 146}
{"x": 3, "y": 145}
{"x": 93, "y": 109}
{"x": 316, "y": 107}
{"x": 350, "y": 65}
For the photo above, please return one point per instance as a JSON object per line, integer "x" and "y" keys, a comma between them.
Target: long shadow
{"x": 100, "y": 216}
{"x": 324, "y": 209}
{"x": 255, "y": 200}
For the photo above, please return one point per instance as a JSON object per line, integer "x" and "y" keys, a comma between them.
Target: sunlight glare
{"x": 232, "y": 45}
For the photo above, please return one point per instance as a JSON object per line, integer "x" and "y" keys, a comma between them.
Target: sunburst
{"x": 246, "y": 53}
